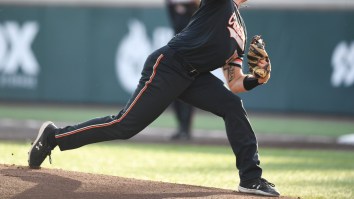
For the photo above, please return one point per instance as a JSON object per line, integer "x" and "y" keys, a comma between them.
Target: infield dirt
{"x": 21, "y": 182}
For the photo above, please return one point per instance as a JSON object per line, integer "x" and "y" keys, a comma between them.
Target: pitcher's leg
{"x": 208, "y": 93}
{"x": 158, "y": 87}
{"x": 184, "y": 113}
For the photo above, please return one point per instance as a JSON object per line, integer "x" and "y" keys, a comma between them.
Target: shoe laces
{"x": 49, "y": 151}
{"x": 50, "y": 157}
{"x": 265, "y": 182}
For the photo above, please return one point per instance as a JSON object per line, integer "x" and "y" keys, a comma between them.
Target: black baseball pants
{"x": 165, "y": 78}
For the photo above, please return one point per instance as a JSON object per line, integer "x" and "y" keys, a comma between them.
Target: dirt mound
{"x": 22, "y": 182}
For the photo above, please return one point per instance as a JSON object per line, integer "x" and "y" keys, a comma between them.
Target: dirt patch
{"x": 21, "y": 182}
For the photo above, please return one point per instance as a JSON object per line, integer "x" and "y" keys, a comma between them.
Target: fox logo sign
{"x": 18, "y": 65}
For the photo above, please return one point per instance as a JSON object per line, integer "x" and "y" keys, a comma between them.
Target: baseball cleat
{"x": 40, "y": 148}
{"x": 258, "y": 186}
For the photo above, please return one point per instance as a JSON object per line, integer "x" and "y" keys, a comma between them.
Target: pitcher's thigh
{"x": 158, "y": 88}
{"x": 209, "y": 93}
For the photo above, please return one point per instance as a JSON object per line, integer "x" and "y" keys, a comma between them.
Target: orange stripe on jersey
{"x": 125, "y": 114}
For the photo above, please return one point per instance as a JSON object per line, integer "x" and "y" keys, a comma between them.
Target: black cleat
{"x": 40, "y": 148}
{"x": 258, "y": 186}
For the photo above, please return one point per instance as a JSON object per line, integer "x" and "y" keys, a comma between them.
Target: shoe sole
{"x": 40, "y": 132}
{"x": 255, "y": 191}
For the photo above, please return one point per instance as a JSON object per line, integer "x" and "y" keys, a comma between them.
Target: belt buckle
{"x": 193, "y": 73}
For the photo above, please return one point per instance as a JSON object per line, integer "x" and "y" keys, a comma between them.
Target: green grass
{"x": 298, "y": 173}
{"x": 261, "y": 124}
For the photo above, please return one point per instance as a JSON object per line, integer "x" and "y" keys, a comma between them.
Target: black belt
{"x": 191, "y": 71}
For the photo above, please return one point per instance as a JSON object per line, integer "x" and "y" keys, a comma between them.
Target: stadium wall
{"x": 94, "y": 54}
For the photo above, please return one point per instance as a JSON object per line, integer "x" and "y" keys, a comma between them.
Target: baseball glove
{"x": 255, "y": 54}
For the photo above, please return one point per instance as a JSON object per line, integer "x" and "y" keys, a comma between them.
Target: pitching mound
{"x": 22, "y": 182}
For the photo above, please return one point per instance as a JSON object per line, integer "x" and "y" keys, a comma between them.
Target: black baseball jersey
{"x": 215, "y": 36}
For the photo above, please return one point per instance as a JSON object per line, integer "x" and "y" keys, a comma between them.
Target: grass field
{"x": 262, "y": 124}
{"x": 298, "y": 173}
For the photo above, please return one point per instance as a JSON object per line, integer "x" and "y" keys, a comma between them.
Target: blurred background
{"x": 71, "y": 60}
{"x": 90, "y": 53}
